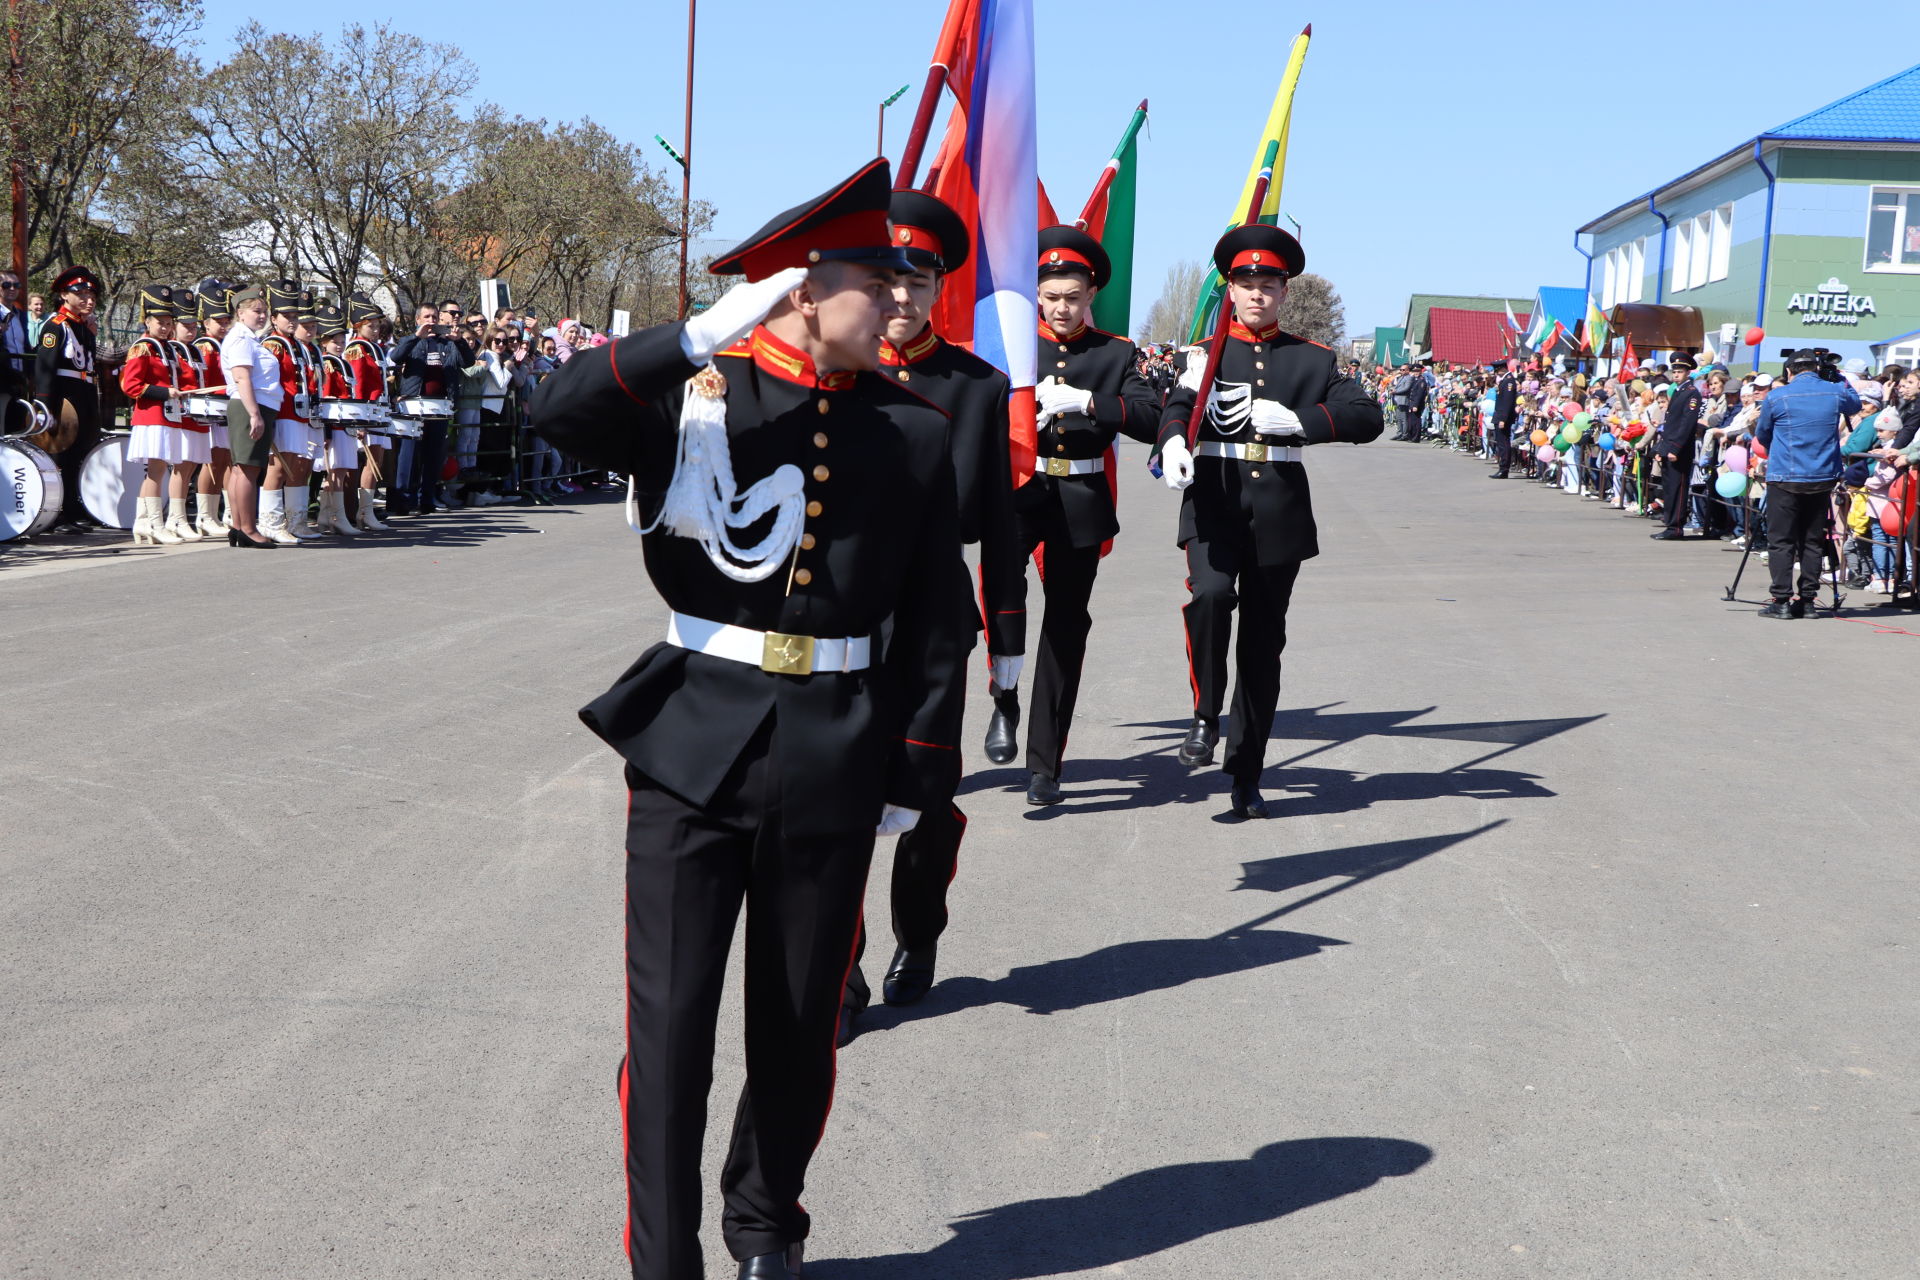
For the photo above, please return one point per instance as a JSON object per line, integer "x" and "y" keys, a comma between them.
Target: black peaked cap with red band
{"x": 1259, "y": 247}
{"x": 846, "y": 224}
{"x": 1064, "y": 249}
{"x": 933, "y": 235}
{"x": 76, "y": 278}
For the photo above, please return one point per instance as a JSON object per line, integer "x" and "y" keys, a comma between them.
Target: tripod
{"x": 1829, "y": 539}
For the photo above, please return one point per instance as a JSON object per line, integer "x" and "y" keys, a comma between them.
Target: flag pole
{"x": 958, "y": 13}
{"x": 1219, "y": 343}
{"x": 1112, "y": 168}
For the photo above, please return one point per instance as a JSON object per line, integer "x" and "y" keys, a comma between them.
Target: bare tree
{"x": 1167, "y": 319}
{"x": 1313, "y": 310}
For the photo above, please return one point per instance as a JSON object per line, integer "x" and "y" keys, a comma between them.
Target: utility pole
{"x": 17, "y": 163}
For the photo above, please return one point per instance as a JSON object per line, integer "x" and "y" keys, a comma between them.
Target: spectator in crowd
{"x": 36, "y": 317}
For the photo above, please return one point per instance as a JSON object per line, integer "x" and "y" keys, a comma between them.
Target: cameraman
{"x": 1799, "y": 425}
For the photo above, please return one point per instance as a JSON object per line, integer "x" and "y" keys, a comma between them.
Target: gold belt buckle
{"x": 1256, "y": 451}
{"x": 1059, "y": 466}
{"x": 785, "y": 655}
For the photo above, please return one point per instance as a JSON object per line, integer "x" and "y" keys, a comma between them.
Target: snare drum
{"x": 352, "y": 413}
{"x": 30, "y": 490}
{"x": 406, "y": 428}
{"x": 422, "y": 408}
{"x": 211, "y": 410}
{"x": 110, "y": 483}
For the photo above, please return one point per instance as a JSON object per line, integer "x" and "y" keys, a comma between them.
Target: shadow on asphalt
{"x": 1119, "y": 972}
{"x": 1144, "y": 1213}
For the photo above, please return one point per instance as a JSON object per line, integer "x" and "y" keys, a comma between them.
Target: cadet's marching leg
{"x": 1211, "y": 570}
{"x": 1265, "y": 593}
{"x": 1068, "y": 588}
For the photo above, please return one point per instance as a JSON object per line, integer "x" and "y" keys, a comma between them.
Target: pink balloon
{"x": 1735, "y": 459}
{"x": 1570, "y": 411}
{"x": 1546, "y": 453}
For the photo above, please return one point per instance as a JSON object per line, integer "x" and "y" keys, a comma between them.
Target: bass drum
{"x": 30, "y": 490}
{"x": 109, "y": 484}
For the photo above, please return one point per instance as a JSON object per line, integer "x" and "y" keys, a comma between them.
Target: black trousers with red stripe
{"x": 689, "y": 869}
{"x": 924, "y": 862}
{"x": 1224, "y": 574}
{"x": 1067, "y": 585}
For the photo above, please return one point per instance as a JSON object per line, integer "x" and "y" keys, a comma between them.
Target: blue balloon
{"x": 1730, "y": 484}
{"x": 1606, "y": 440}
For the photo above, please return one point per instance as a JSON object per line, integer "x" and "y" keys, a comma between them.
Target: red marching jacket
{"x": 187, "y": 375}
{"x": 148, "y": 379}
{"x": 369, "y": 375}
{"x": 293, "y": 376}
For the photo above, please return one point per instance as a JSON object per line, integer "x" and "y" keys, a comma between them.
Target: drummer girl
{"x": 151, "y": 380}
{"x": 292, "y": 467}
{"x": 342, "y": 448}
{"x": 367, "y": 375}
{"x": 216, "y": 314}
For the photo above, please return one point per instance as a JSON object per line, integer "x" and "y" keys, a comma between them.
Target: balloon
{"x": 1755, "y": 336}
{"x": 1730, "y": 484}
{"x": 1546, "y": 453}
{"x": 1735, "y": 459}
{"x": 1582, "y": 420}
{"x": 1759, "y": 450}
{"x": 1568, "y": 410}
{"x": 1569, "y": 438}
{"x": 1539, "y": 437}
{"x": 1606, "y": 440}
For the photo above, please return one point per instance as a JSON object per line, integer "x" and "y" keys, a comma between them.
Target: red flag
{"x": 1627, "y": 360}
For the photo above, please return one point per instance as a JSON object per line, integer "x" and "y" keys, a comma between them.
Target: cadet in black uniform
{"x": 1246, "y": 516}
{"x": 1506, "y": 406}
{"x": 1090, "y": 392}
{"x": 1679, "y": 433}
{"x": 765, "y": 738}
{"x": 974, "y": 395}
{"x": 63, "y": 376}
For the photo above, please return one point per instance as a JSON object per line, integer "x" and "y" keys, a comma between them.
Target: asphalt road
{"x": 1582, "y": 945}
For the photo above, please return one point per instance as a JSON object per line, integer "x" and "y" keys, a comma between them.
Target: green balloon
{"x": 1583, "y": 420}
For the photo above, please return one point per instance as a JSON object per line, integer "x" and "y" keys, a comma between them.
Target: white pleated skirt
{"x": 169, "y": 444}
{"x": 343, "y": 451}
{"x": 290, "y": 437}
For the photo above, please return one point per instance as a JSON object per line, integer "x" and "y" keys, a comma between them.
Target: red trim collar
{"x": 781, "y": 361}
{"x": 1240, "y": 331}
{"x": 1047, "y": 333}
{"x": 916, "y": 350}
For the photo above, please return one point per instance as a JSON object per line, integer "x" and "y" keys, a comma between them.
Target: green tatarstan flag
{"x": 1109, "y": 219}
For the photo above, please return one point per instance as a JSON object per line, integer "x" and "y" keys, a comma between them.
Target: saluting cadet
{"x": 974, "y": 395}
{"x": 213, "y": 302}
{"x": 151, "y": 381}
{"x": 284, "y": 490}
{"x": 1090, "y": 392}
{"x": 367, "y": 379}
{"x": 63, "y": 379}
{"x": 766, "y": 739}
{"x": 1246, "y": 516}
{"x": 342, "y": 448}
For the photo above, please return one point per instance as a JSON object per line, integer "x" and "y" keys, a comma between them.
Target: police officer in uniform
{"x": 1678, "y": 433}
{"x": 1246, "y": 515}
{"x": 64, "y": 381}
{"x": 794, "y": 499}
{"x": 974, "y": 395}
{"x": 1090, "y": 392}
{"x": 1506, "y": 405}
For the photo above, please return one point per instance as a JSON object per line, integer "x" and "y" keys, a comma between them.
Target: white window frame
{"x": 1609, "y": 279}
{"x": 1682, "y": 255}
{"x": 1905, "y": 354}
{"x": 1637, "y": 270}
{"x": 1722, "y": 251}
{"x": 1702, "y": 249}
{"x": 1910, "y": 218}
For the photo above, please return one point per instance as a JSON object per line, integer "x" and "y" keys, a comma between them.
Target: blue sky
{"x": 1430, "y": 152}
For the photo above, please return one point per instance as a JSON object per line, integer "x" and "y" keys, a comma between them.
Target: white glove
{"x": 1006, "y": 670}
{"x": 1271, "y": 418}
{"x": 1196, "y": 366}
{"x": 1176, "y": 463}
{"x": 896, "y": 821}
{"x": 733, "y": 317}
{"x": 1055, "y": 397}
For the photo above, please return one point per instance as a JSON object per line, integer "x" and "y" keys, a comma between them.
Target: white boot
{"x": 208, "y": 519}
{"x": 333, "y": 514}
{"x": 368, "y": 521}
{"x": 273, "y": 517}
{"x": 298, "y": 498}
{"x": 157, "y": 523}
{"x": 177, "y": 522}
{"x": 144, "y": 517}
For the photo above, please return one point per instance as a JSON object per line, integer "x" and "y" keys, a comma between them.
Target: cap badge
{"x": 1054, "y": 256}
{"x": 1256, "y": 257}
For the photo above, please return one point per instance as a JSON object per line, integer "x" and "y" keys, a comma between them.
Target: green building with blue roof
{"x": 1810, "y": 231}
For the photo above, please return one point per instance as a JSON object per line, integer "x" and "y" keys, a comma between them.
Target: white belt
{"x": 1252, "y": 451}
{"x": 774, "y": 651}
{"x": 82, "y": 374}
{"x": 1068, "y": 466}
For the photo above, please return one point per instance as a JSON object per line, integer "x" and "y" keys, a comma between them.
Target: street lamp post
{"x": 880, "y": 147}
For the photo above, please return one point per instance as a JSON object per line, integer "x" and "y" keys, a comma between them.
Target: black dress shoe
{"x": 1778, "y": 609}
{"x": 1198, "y": 747}
{"x": 1497, "y": 475}
{"x": 1247, "y": 801}
{"x": 1801, "y": 608}
{"x": 843, "y": 1034}
{"x": 784, "y": 1265}
{"x": 1667, "y": 535}
{"x": 1001, "y": 744}
{"x": 910, "y": 976}
{"x": 1043, "y": 790}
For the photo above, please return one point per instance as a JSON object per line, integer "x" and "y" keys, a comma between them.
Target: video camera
{"x": 1825, "y": 363}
